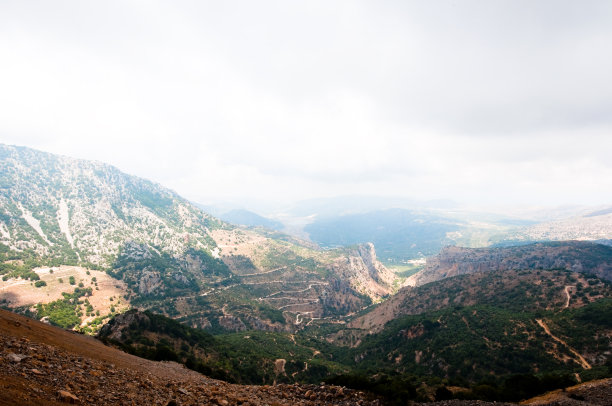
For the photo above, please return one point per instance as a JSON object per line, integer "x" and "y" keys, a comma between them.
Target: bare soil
{"x": 20, "y": 292}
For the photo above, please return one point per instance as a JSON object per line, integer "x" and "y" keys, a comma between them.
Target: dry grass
{"x": 20, "y": 292}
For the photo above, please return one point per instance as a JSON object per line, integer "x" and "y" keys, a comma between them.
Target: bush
{"x": 395, "y": 389}
{"x": 443, "y": 393}
{"x": 72, "y": 281}
{"x": 40, "y": 284}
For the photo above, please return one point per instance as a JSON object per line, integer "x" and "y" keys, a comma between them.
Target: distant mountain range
{"x": 405, "y": 229}
{"x": 403, "y": 234}
{"x": 250, "y": 219}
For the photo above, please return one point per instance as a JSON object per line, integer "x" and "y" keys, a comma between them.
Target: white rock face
{"x": 64, "y": 221}
{"x": 34, "y": 223}
{"x": 4, "y": 232}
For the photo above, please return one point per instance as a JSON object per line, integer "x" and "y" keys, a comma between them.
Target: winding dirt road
{"x": 567, "y": 293}
{"x": 579, "y": 358}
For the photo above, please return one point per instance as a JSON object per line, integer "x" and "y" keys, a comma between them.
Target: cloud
{"x": 497, "y": 101}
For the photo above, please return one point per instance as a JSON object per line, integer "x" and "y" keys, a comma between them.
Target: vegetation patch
{"x": 66, "y": 312}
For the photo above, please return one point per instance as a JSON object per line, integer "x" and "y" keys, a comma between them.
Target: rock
{"x": 310, "y": 395}
{"x": 150, "y": 281}
{"x": 37, "y": 372}
{"x": 16, "y": 357}
{"x": 67, "y": 397}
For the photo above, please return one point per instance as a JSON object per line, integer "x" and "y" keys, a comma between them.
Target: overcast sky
{"x": 477, "y": 101}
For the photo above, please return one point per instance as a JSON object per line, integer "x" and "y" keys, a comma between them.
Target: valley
{"x": 86, "y": 247}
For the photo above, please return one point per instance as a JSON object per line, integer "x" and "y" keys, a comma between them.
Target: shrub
{"x": 39, "y": 284}
{"x": 443, "y": 393}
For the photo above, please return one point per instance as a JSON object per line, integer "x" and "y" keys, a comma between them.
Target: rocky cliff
{"x": 361, "y": 267}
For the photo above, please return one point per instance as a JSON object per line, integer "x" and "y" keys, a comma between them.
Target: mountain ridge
{"x": 174, "y": 258}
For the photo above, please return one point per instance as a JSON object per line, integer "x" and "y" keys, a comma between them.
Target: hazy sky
{"x": 478, "y": 101}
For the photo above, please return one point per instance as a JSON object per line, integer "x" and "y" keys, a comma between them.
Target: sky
{"x": 482, "y": 102}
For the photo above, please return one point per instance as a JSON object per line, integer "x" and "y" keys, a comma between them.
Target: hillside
{"x": 251, "y": 358}
{"x": 44, "y": 365}
{"x": 578, "y": 256}
{"x": 65, "y": 209}
{"x": 485, "y": 328}
{"x": 488, "y": 344}
{"x": 168, "y": 255}
{"x": 517, "y": 291}
{"x": 528, "y": 277}
{"x": 478, "y": 315}
{"x": 417, "y": 353}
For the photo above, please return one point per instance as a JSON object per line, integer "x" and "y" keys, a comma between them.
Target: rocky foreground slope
{"x": 44, "y": 365}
